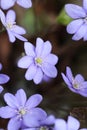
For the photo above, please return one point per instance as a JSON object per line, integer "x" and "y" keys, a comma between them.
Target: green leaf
{"x": 29, "y": 22}
{"x": 63, "y": 18}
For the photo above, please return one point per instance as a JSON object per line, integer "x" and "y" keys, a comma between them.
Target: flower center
{"x": 9, "y": 25}
{"x": 38, "y": 61}
{"x": 44, "y": 128}
{"x": 22, "y": 111}
{"x": 76, "y": 85}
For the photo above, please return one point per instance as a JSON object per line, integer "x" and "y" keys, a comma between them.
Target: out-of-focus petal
{"x": 20, "y": 37}
{"x": 21, "y": 97}
{"x": 0, "y": 66}
{"x": 46, "y": 78}
{"x": 29, "y": 49}
{"x": 60, "y": 124}
{"x": 7, "y": 112}
{"x": 14, "y": 124}
{"x": 79, "y": 78}
{"x": 11, "y": 36}
{"x": 66, "y": 80}
{"x": 1, "y": 89}
{"x": 4, "y": 78}
{"x": 74, "y": 26}
{"x": 51, "y": 59}
{"x": 30, "y": 121}
{"x": 85, "y": 5}
{"x": 2, "y": 17}
{"x": 46, "y": 49}
{"x": 33, "y": 101}
{"x": 19, "y": 30}
{"x": 50, "y": 120}
{"x": 25, "y": 62}
{"x": 24, "y": 3}
{"x": 6, "y": 4}
{"x": 38, "y": 113}
{"x": 49, "y": 70}
{"x": 69, "y": 74}
{"x": 30, "y": 73}
{"x": 84, "y": 84}
{"x": 73, "y": 123}
{"x": 11, "y": 100}
{"x": 10, "y": 17}
{"x": 83, "y": 92}
{"x": 80, "y": 33}
{"x": 38, "y": 76}
{"x": 39, "y": 46}
{"x": 75, "y": 11}
{"x": 73, "y": 89}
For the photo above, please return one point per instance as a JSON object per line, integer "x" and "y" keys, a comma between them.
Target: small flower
{"x": 46, "y": 124}
{"x": 78, "y": 26}
{"x": 6, "y": 4}
{"x": 14, "y": 31}
{"x": 3, "y": 79}
{"x": 39, "y": 61}
{"x": 48, "y": 121}
{"x": 20, "y": 109}
{"x": 71, "y": 124}
{"x": 77, "y": 84}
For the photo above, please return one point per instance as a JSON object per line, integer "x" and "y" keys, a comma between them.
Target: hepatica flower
{"x": 76, "y": 84}
{"x": 14, "y": 31}
{"x": 46, "y": 124}
{"x": 3, "y": 79}
{"x": 78, "y": 26}
{"x": 71, "y": 124}
{"x": 19, "y": 109}
{"x": 6, "y": 4}
{"x": 39, "y": 61}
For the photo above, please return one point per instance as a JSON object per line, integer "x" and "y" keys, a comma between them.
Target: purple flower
{"x": 48, "y": 121}
{"x": 44, "y": 124}
{"x": 71, "y": 124}
{"x": 6, "y": 4}
{"x": 14, "y": 31}
{"x": 20, "y": 109}
{"x": 39, "y": 61}
{"x": 75, "y": 84}
{"x": 3, "y": 79}
{"x": 78, "y": 26}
